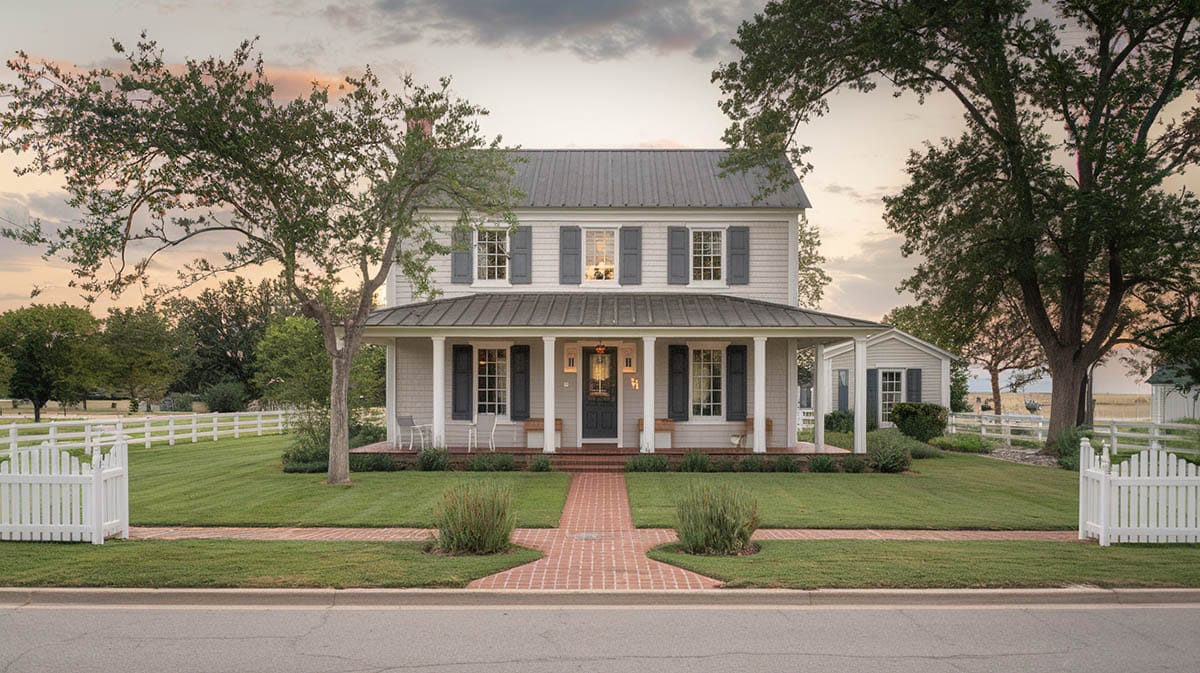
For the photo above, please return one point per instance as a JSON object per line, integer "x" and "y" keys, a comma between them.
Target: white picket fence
{"x": 1153, "y": 496}
{"x": 48, "y": 494}
{"x": 1120, "y": 435}
{"x": 146, "y": 430}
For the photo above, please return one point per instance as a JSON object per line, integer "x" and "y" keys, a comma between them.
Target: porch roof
{"x": 608, "y": 310}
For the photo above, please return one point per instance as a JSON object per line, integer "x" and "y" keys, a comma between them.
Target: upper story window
{"x": 491, "y": 381}
{"x": 599, "y": 255}
{"x": 491, "y": 255}
{"x": 707, "y": 255}
{"x": 707, "y": 372}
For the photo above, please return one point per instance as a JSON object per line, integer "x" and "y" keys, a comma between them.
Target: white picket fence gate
{"x": 49, "y": 494}
{"x": 1153, "y": 496}
{"x": 146, "y": 430}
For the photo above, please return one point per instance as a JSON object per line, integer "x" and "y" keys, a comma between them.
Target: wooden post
{"x": 147, "y": 432}
{"x": 1085, "y": 463}
{"x": 12, "y": 437}
{"x": 260, "y": 415}
{"x": 1104, "y": 486}
{"x": 216, "y": 427}
{"x": 53, "y": 434}
{"x": 97, "y": 504}
{"x": 194, "y": 429}
{"x": 1112, "y": 437}
{"x": 237, "y": 426}
{"x": 171, "y": 431}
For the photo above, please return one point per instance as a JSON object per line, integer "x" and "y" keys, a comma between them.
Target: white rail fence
{"x": 146, "y": 430}
{"x": 1119, "y": 435}
{"x": 804, "y": 419}
{"x": 49, "y": 493}
{"x": 1153, "y": 496}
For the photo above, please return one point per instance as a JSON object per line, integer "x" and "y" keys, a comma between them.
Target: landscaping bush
{"x": 920, "y": 420}
{"x": 474, "y": 518}
{"x": 177, "y": 402}
{"x": 921, "y": 451}
{"x": 723, "y": 464}
{"x": 888, "y": 451}
{"x": 854, "y": 464}
{"x": 433, "y": 459}
{"x": 787, "y": 464}
{"x": 822, "y": 464}
{"x": 715, "y": 520}
{"x": 839, "y": 421}
{"x": 309, "y": 449}
{"x": 373, "y": 462}
{"x": 540, "y": 464}
{"x": 492, "y": 462}
{"x": 647, "y": 462}
{"x": 754, "y": 464}
{"x": 695, "y": 462}
{"x": 225, "y": 397}
{"x": 1066, "y": 447}
{"x": 964, "y": 443}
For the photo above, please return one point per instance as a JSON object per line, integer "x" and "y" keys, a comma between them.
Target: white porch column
{"x": 820, "y": 389}
{"x": 648, "y": 394}
{"x": 389, "y": 403}
{"x": 760, "y": 394}
{"x": 439, "y": 391}
{"x": 549, "y": 391}
{"x": 860, "y": 394}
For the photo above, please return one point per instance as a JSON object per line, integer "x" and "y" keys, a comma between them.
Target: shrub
{"x": 723, "y": 464}
{"x": 839, "y": 421}
{"x": 177, "y": 402}
{"x": 695, "y": 462}
{"x": 920, "y": 420}
{"x": 787, "y": 464}
{"x": 492, "y": 462}
{"x": 647, "y": 462}
{"x": 964, "y": 443}
{"x": 854, "y": 464}
{"x": 362, "y": 433}
{"x": 754, "y": 464}
{"x": 715, "y": 520}
{"x": 309, "y": 450}
{"x": 888, "y": 452}
{"x": 822, "y": 464}
{"x": 433, "y": 459}
{"x": 1066, "y": 447}
{"x": 373, "y": 462}
{"x": 540, "y": 464}
{"x": 921, "y": 451}
{"x": 474, "y": 518}
{"x": 225, "y": 397}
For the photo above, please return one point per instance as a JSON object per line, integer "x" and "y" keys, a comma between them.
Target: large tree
{"x": 291, "y": 367}
{"x": 1058, "y": 190}
{"x": 326, "y": 189}
{"x": 54, "y": 352}
{"x": 141, "y": 354}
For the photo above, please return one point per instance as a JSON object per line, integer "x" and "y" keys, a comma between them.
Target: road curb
{"x": 450, "y": 598}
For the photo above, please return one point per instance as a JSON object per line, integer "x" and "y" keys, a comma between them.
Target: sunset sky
{"x": 554, "y": 73}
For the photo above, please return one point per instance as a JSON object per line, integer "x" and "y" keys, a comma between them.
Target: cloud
{"x": 593, "y": 29}
{"x": 874, "y": 197}
{"x": 864, "y": 283}
{"x": 662, "y": 144}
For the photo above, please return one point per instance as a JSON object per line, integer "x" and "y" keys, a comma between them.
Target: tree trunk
{"x": 37, "y": 412}
{"x": 1065, "y": 375}
{"x": 996, "y": 406}
{"x": 339, "y": 420}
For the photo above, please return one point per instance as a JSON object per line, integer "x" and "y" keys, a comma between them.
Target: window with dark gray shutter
{"x": 912, "y": 387}
{"x": 460, "y": 385}
{"x": 739, "y": 255}
{"x": 631, "y": 256}
{"x": 520, "y": 382}
{"x": 677, "y": 383}
{"x": 678, "y": 256}
{"x": 843, "y": 390}
{"x": 570, "y": 256}
{"x": 872, "y": 395}
{"x": 460, "y": 257}
{"x": 520, "y": 252}
{"x": 735, "y": 383}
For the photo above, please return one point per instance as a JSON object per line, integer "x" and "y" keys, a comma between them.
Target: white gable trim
{"x": 892, "y": 334}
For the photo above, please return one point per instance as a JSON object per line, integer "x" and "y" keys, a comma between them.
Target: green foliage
{"x": 474, "y": 518}
{"x": 433, "y": 459}
{"x": 54, "y": 351}
{"x": 787, "y": 464}
{"x": 695, "y": 461}
{"x": 540, "y": 464}
{"x": 225, "y": 397}
{"x": 888, "y": 451}
{"x": 723, "y": 464}
{"x": 854, "y": 464}
{"x": 647, "y": 462}
{"x": 964, "y": 443}
{"x": 923, "y": 451}
{"x": 178, "y": 402}
{"x": 7, "y": 367}
{"x": 821, "y": 463}
{"x": 1066, "y": 447}
{"x": 843, "y": 422}
{"x": 920, "y": 420}
{"x": 753, "y": 463}
{"x": 371, "y": 462}
{"x": 716, "y": 520}
{"x": 309, "y": 448}
{"x": 492, "y": 462}
{"x": 141, "y": 353}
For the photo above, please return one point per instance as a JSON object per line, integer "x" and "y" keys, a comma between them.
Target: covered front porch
{"x": 716, "y": 373}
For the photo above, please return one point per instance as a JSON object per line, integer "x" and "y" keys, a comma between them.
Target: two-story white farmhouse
{"x": 639, "y": 284}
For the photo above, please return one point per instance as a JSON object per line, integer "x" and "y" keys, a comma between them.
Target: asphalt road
{"x": 612, "y": 640}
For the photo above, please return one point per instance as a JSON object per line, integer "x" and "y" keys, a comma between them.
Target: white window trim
{"x": 879, "y": 392}
{"x": 709, "y": 346}
{"x": 724, "y": 229}
{"x": 505, "y": 346}
{"x": 476, "y": 281}
{"x": 584, "y": 283}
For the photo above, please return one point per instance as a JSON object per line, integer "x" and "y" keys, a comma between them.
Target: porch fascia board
{"x": 824, "y": 334}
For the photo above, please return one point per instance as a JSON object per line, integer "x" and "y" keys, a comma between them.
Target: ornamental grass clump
{"x": 474, "y": 518}
{"x": 715, "y": 520}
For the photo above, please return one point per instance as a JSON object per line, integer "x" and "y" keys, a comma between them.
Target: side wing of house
{"x": 900, "y": 368}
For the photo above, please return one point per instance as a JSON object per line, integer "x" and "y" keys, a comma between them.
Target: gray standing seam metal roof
{"x": 605, "y": 309}
{"x": 644, "y": 179}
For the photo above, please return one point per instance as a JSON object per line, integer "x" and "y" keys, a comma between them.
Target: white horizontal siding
{"x": 890, "y": 354}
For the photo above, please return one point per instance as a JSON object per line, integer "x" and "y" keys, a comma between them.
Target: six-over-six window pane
{"x": 599, "y": 254}
{"x": 706, "y": 383}
{"x": 706, "y": 255}
{"x": 491, "y": 255}
{"x": 492, "y": 381}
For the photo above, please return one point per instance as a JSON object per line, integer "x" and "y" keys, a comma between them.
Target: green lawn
{"x": 243, "y": 563}
{"x": 869, "y": 564}
{"x": 238, "y": 482}
{"x": 958, "y": 491}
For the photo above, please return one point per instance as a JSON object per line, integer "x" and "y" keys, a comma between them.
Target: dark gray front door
{"x": 600, "y": 393}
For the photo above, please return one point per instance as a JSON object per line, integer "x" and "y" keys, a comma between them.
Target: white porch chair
{"x": 414, "y": 429}
{"x": 496, "y": 423}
